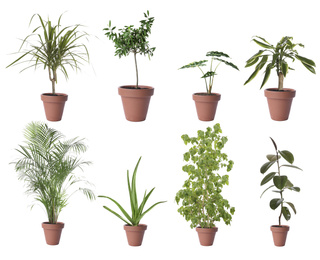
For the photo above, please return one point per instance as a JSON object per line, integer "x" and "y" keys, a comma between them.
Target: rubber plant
{"x": 206, "y": 103}
{"x": 54, "y": 48}
{"x": 133, "y": 228}
{"x": 277, "y": 58}
{"x": 47, "y": 166}
{"x": 201, "y": 199}
{"x": 281, "y": 183}
{"x": 135, "y": 98}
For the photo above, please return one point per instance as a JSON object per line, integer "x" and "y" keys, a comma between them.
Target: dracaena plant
{"x": 132, "y": 40}
{"x": 217, "y": 56}
{"x": 54, "y": 48}
{"x": 281, "y": 183}
{"x": 47, "y": 166}
{"x": 137, "y": 211}
{"x": 276, "y": 57}
{"x": 201, "y": 199}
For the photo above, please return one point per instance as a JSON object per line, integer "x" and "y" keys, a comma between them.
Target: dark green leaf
{"x": 280, "y": 181}
{"x": 262, "y": 44}
{"x": 286, "y": 213}
{"x": 266, "y": 166}
{"x": 272, "y": 157}
{"x": 252, "y": 76}
{"x": 266, "y": 190}
{"x": 266, "y": 75}
{"x": 297, "y": 189}
{"x": 310, "y": 68}
{"x": 251, "y": 62}
{"x": 274, "y": 143}
{"x": 306, "y": 61}
{"x": 291, "y": 166}
{"x": 292, "y": 206}
{"x": 274, "y": 203}
{"x": 284, "y": 68}
{"x": 288, "y": 156}
{"x": 267, "y": 178}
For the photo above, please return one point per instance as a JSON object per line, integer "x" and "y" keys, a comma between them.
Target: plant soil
{"x": 132, "y": 87}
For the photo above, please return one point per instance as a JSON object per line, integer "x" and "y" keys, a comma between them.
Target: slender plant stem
{"x": 280, "y": 83}
{"x": 135, "y": 61}
{"x": 281, "y": 191}
{"x": 204, "y": 80}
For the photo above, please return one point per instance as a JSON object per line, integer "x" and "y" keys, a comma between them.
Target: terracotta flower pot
{"x": 135, "y": 234}
{"x": 206, "y": 105}
{"x": 135, "y": 101}
{"x": 279, "y": 234}
{"x": 52, "y": 232}
{"x": 279, "y": 102}
{"x": 54, "y": 105}
{"x": 206, "y": 235}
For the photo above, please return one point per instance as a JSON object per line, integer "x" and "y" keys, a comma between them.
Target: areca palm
{"x": 47, "y": 166}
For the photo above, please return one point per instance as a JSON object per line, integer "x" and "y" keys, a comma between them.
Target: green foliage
{"x": 47, "y": 166}
{"x": 275, "y": 57}
{"x": 201, "y": 199}
{"x": 280, "y": 182}
{"x": 132, "y": 40}
{"x": 215, "y": 55}
{"x": 53, "y": 48}
{"x": 136, "y": 211}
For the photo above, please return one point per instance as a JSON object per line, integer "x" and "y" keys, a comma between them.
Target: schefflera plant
{"x": 281, "y": 183}
{"x": 201, "y": 199}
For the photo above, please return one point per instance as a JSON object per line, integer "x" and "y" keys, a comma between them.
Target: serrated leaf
{"x": 274, "y": 203}
{"x": 267, "y": 178}
{"x": 280, "y": 181}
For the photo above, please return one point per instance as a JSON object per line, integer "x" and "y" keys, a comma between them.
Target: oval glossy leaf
{"x": 266, "y": 166}
{"x": 274, "y": 203}
{"x": 297, "y": 189}
{"x": 292, "y": 206}
{"x": 289, "y": 184}
{"x": 272, "y": 157}
{"x": 286, "y": 213}
{"x": 267, "y": 178}
{"x": 280, "y": 181}
{"x": 288, "y": 156}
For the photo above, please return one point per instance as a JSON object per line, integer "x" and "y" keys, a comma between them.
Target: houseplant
{"x": 201, "y": 199}
{"x": 206, "y": 103}
{"x": 133, "y": 228}
{"x": 135, "y": 98}
{"x": 280, "y": 184}
{"x": 54, "y": 48}
{"x": 47, "y": 167}
{"x": 276, "y": 57}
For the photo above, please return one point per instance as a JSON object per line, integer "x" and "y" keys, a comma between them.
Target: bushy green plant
{"x": 215, "y": 55}
{"x": 132, "y": 40}
{"x": 55, "y": 47}
{"x": 47, "y": 166}
{"x": 136, "y": 210}
{"x": 275, "y": 57}
{"x": 201, "y": 199}
{"x": 280, "y": 182}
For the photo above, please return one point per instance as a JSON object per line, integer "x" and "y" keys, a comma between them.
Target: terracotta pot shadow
{"x": 279, "y": 102}
{"x": 206, "y": 105}
{"x": 206, "y": 235}
{"x": 279, "y": 234}
{"x": 52, "y": 232}
{"x": 135, "y": 101}
{"x": 54, "y": 105}
{"x": 135, "y": 234}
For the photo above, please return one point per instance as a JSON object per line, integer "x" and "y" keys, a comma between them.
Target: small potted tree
{"x": 201, "y": 199}
{"x": 281, "y": 183}
{"x": 276, "y": 57}
{"x": 135, "y": 98}
{"x": 47, "y": 167}
{"x": 207, "y": 102}
{"x": 54, "y": 48}
{"x": 134, "y": 230}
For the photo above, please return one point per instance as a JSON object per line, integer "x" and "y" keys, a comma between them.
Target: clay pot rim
{"x": 48, "y": 225}
{"x": 288, "y": 93}
{"x": 280, "y": 227}
{"x": 139, "y": 227}
{"x": 50, "y": 94}
{"x": 206, "y": 94}
{"x": 141, "y": 87}
{"x": 207, "y": 230}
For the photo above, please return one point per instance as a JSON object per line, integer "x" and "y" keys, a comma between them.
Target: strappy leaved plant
{"x": 202, "y": 202}
{"x": 55, "y": 47}
{"x": 136, "y": 210}
{"x": 47, "y": 167}
{"x": 132, "y": 40}
{"x": 275, "y": 57}
{"x": 215, "y": 55}
{"x": 280, "y": 182}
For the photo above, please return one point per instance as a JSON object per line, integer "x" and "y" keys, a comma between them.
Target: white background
{"x": 183, "y": 32}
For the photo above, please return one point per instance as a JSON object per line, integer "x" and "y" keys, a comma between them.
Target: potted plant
{"x": 206, "y": 103}
{"x": 54, "y": 48}
{"x": 280, "y": 184}
{"x": 201, "y": 199}
{"x": 47, "y": 167}
{"x": 135, "y": 98}
{"x": 276, "y": 57}
{"x": 134, "y": 230}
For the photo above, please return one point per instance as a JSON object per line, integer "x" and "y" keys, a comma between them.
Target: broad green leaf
{"x": 305, "y": 60}
{"x": 263, "y": 40}
{"x": 310, "y": 68}
{"x": 263, "y": 61}
{"x": 272, "y": 157}
{"x": 252, "y": 76}
{"x": 251, "y": 62}
{"x": 266, "y": 166}
{"x": 289, "y": 184}
{"x": 292, "y": 206}
{"x": 267, "y": 178}
{"x": 266, "y": 75}
{"x": 274, "y": 203}
{"x": 291, "y": 166}
{"x": 284, "y": 68}
{"x": 286, "y": 213}
{"x": 297, "y": 189}
{"x": 280, "y": 181}
{"x": 288, "y": 156}
{"x": 258, "y": 54}
{"x": 217, "y": 54}
{"x": 264, "y": 45}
